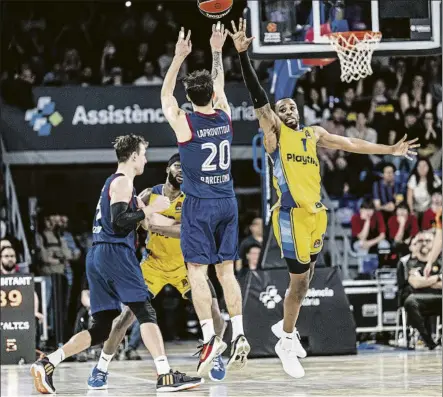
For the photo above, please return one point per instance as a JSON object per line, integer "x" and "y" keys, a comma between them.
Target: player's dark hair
{"x": 125, "y": 145}
{"x": 199, "y": 87}
{"x": 174, "y": 158}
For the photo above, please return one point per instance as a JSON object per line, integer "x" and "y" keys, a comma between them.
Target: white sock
{"x": 286, "y": 340}
{"x": 104, "y": 361}
{"x": 207, "y": 329}
{"x": 162, "y": 365}
{"x": 57, "y": 357}
{"x": 237, "y": 326}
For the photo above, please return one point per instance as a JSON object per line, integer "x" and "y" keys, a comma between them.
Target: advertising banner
{"x": 325, "y": 324}
{"x": 17, "y": 325}
{"x": 78, "y": 118}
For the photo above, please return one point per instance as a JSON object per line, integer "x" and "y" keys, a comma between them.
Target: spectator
{"x": 165, "y": 60}
{"x": 8, "y": 260}
{"x": 72, "y": 65}
{"x": 348, "y": 104}
{"x": 422, "y": 182}
{"x": 417, "y": 98}
{"x": 334, "y": 126}
{"x": 368, "y": 228}
{"x": 402, "y": 227}
{"x": 421, "y": 296}
{"x": 69, "y": 238}
{"x": 434, "y": 82}
{"x": 428, "y": 221}
{"x": 313, "y": 109}
{"x": 108, "y": 62}
{"x": 9, "y": 267}
{"x": 386, "y": 193}
{"x": 116, "y": 77}
{"x": 252, "y": 257}
{"x": 148, "y": 78}
{"x": 431, "y": 141}
{"x": 400, "y": 77}
{"x": 86, "y": 77}
{"x": 255, "y": 238}
{"x": 362, "y": 131}
{"x": 382, "y": 114}
{"x": 54, "y": 252}
{"x": 138, "y": 66}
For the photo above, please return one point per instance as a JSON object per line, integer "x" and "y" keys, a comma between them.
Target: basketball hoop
{"x": 355, "y": 51}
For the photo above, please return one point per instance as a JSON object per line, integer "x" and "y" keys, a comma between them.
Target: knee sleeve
{"x": 144, "y": 312}
{"x": 295, "y": 267}
{"x": 102, "y": 325}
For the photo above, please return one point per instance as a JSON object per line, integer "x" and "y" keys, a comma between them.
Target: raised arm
{"x": 176, "y": 116}
{"x": 269, "y": 121}
{"x": 218, "y": 75}
{"x": 355, "y": 145}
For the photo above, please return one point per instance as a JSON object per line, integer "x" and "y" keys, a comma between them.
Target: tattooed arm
{"x": 218, "y": 75}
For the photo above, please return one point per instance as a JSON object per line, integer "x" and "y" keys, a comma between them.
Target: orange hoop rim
{"x": 358, "y": 34}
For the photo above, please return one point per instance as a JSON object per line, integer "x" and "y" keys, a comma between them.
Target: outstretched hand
{"x": 218, "y": 37}
{"x": 241, "y": 42}
{"x": 403, "y": 148}
{"x": 184, "y": 46}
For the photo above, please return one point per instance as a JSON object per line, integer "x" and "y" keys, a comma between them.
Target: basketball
{"x": 214, "y": 9}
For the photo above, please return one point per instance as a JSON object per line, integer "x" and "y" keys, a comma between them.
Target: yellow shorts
{"x": 156, "y": 279}
{"x": 299, "y": 233}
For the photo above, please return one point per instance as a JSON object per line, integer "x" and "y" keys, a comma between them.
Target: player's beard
{"x": 173, "y": 181}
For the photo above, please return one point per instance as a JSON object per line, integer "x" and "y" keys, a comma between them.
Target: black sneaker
{"x": 207, "y": 352}
{"x": 176, "y": 381}
{"x": 42, "y": 371}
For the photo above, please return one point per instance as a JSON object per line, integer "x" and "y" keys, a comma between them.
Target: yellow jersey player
{"x": 299, "y": 217}
{"x": 164, "y": 265}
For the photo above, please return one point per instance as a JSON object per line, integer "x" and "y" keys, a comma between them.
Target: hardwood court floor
{"x": 397, "y": 373}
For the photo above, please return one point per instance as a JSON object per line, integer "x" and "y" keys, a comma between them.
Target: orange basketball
{"x": 214, "y": 9}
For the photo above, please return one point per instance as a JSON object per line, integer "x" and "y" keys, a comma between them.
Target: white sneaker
{"x": 290, "y": 361}
{"x": 277, "y": 330}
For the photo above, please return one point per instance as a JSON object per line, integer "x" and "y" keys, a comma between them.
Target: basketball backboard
{"x": 297, "y": 28}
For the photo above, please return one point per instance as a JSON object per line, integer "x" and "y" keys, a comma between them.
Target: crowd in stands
{"x": 103, "y": 43}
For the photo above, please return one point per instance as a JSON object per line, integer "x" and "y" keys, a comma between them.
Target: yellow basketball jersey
{"x": 166, "y": 250}
{"x": 297, "y": 170}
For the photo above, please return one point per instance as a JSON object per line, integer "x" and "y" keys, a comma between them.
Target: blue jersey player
{"x": 115, "y": 277}
{"x": 210, "y": 215}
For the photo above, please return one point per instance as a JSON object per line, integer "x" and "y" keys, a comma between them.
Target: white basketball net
{"x": 355, "y": 51}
